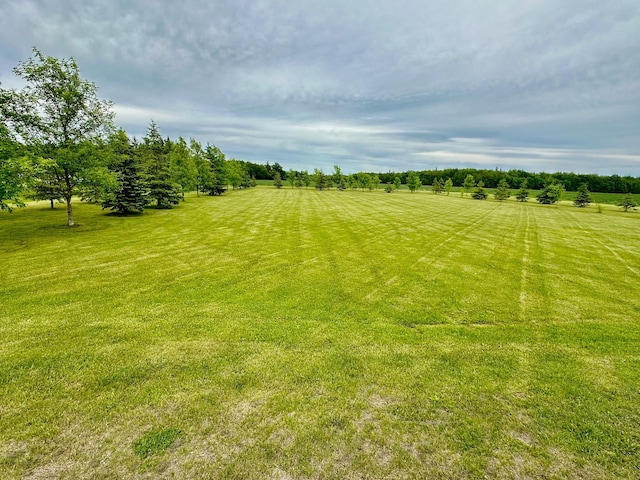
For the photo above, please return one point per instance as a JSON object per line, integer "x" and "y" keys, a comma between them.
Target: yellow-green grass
{"x": 301, "y": 334}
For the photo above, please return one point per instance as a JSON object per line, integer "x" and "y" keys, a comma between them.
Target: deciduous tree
{"x": 58, "y": 113}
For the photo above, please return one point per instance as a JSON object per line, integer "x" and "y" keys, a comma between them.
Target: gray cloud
{"x": 538, "y": 85}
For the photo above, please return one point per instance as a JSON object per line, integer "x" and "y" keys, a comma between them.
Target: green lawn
{"x": 301, "y": 334}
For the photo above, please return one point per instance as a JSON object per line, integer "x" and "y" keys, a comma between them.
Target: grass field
{"x": 301, "y": 334}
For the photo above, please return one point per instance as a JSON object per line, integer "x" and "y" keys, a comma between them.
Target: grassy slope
{"x": 329, "y": 334}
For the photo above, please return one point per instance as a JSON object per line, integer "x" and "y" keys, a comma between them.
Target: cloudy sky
{"x": 542, "y": 85}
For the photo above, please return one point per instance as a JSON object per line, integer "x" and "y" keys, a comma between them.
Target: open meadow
{"x": 294, "y": 334}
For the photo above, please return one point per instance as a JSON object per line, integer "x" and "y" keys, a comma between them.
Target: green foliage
{"x": 389, "y": 188}
{"x": 469, "y": 183}
{"x": 61, "y": 117}
{"x": 277, "y": 181}
{"x": 219, "y": 168}
{"x": 397, "y": 183}
{"x": 320, "y": 179}
{"x": 479, "y": 193}
{"x": 550, "y": 194}
{"x": 437, "y": 186}
{"x": 130, "y": 194}
{"x": 291, "y": 177}
{"x": 448, "y": 185}
{"x": 523, "y": 193}
{"x": 628, "y": 203}
{"x": 161, "y": 186}
{"x": 583, "y": 198}
{"x": 156, "y": 441}
{"x": 339, "y": 179}
{"x": 413, "y": 181}
{"x": 14, "y": 172}
{"x": 182, "y": 167}
{"x": 502, "y": 193}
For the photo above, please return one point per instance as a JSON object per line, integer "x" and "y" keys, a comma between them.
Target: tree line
{"x": 58, "y": 141}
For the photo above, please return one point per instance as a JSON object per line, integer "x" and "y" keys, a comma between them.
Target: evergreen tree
{"x": 628, "y": 203}
{"x": 218, "y": 167}
{"x": 204, "y": 175}
{"x": 479, "y": 193}
{"x": 502, "y": 192}
{"x": 583, "y": 198}
{"x": 397, "y": 183}
{"x": 437, "y": 186}
{"x": 523, "y": 193}
{"x": 277, "y": 180}
{"x": 162, "y": 189}
{"x": 130, "y": 195}
{"x": 320, "y": 179}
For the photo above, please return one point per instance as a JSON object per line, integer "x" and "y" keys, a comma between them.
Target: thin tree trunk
{"x": 51, "y": 200}
{"x": 70, "y": 221}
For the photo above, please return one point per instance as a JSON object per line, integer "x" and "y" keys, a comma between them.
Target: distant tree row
{"x": 514, "y": 178}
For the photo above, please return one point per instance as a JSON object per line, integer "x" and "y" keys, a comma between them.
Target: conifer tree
{"x": 130, "y": 195}
{"x": 162, "y": 189}
{"x": 523, "y": 193}
{"x": 502, "y": 192}
{"x": 628, "y": 203}
{"x": 277, "y": 180}
{"x": 479, "y": 193}
{"x": 583, "y": 198}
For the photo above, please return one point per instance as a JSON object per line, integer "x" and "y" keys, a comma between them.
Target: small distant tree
{"x": 583, "y": 198}
{"x": 277, "y": 180}
{"x": 550, "y": 194}
{"x": 437, "y": 186}
{"x": 502, "y": 192}
{"x": 204, "y": 176}
{"x": 413, "y": 181}
{"x": 306, "y": 179}
{"x": 479, "y": 193}
{"x": 375, "y": 180}
{"x": 388, "y": 188}
{"x": 628, "y": 203}
{"x": 523, "y": 193}
{"x": 469, "y": 183}
{"x": 291, "y": 177}
{"x": 298, "y": 182}
{"x": 397, "y": 183}
{"x": 448, "y": 185}
{"x": 320, "y": 179}
{"x": 364, "y": 180}
{"x": 339, "y": 179}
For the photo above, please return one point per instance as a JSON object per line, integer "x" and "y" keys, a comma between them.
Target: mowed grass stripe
{"x": 303, "y": 334}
